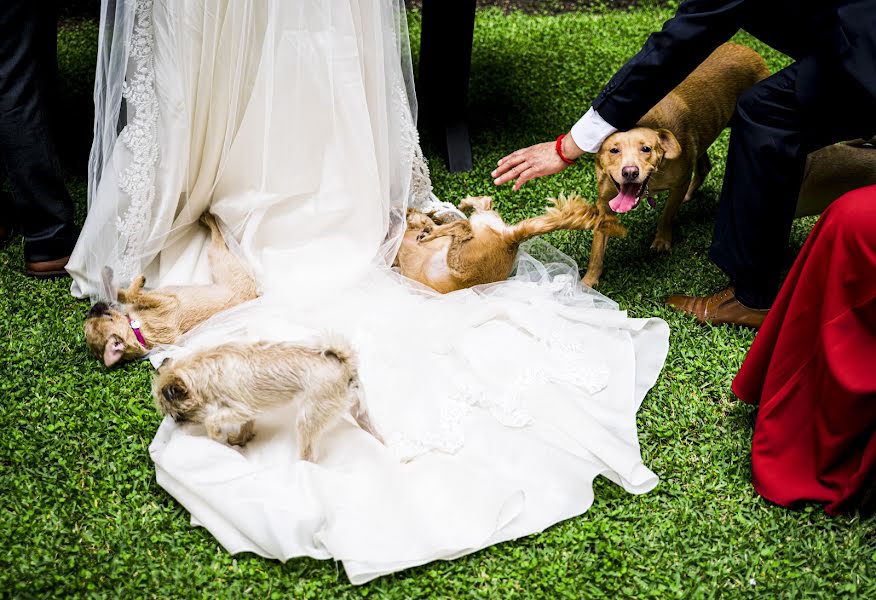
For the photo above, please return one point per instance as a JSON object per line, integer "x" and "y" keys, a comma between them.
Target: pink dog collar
{"x": 135, "y": 327}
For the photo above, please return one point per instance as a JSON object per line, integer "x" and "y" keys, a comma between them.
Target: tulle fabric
{"x": 293, "y": 122}
{"x": 257, "y": 105}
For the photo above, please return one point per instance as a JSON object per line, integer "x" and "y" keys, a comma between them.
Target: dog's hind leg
{"x": 476, "y": 203}
{"x": 701, "y": 171}
{"x": 227, "y": 268}
{"x": 311, "y": 423}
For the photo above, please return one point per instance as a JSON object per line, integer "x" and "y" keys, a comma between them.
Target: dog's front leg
{"x": 663, "y": 239}
{"x": 597, "y": 256}
{"x": 222, "y": 427}
{"x": 242, "y": 435}
{"x": 459, "y": 230}
{"x": 129, "y": 295}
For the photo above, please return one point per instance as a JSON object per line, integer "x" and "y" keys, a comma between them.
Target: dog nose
{"x": 99, "y": 309}
{"x": 630, "y": 173}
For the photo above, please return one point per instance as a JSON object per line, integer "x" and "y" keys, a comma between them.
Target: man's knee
{"x": 855, "y": 213}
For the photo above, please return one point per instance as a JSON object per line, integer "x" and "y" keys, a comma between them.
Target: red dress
{"x": 812, "y": 367}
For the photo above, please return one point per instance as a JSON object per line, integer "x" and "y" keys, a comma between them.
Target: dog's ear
{"x": 670, "y": 145}
{"x": 113, "y": 351}
{"x": 173, "y": 391}
{"x": 99, "y": 309}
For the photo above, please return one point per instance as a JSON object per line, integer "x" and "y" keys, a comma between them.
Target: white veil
{"x": 159, "y": 154}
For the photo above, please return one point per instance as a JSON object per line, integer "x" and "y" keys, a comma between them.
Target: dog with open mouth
{"x": 667, "y": 151}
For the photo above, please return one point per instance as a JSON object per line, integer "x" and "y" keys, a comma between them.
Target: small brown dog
{"x": 225, "y": 388}
{"x": 667, "y": 150}
{"x": 147, "y": 318}
{"x": 481, "y": 250}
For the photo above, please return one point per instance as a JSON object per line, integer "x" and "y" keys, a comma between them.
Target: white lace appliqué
{"x": 140, "y": 136}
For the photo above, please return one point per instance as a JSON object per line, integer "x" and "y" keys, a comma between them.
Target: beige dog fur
{"x": 166, "y": 313}
{"x": 227, "y": 387}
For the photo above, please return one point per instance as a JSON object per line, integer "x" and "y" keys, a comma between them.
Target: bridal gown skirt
{"x": 293, "y": 123}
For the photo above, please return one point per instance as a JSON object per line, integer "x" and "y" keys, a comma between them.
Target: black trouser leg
{"x": 778, "y": 122}
{"x": 43, "y": 208}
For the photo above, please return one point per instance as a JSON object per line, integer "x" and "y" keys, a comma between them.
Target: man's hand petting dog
{"x": 535, "y": 161}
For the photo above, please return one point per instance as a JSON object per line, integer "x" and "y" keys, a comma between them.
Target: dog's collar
{"x": 135, "y": 327}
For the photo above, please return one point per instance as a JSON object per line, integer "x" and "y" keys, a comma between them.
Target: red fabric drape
{"x": 812, "y": 367}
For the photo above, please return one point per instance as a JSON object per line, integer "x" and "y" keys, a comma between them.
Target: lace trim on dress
{"x": 140, "y": 136}
{"x": 569, "y": 367}
{"x": 421, "y": 196}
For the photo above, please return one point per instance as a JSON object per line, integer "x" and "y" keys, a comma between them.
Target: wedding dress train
{"x": 294, "y": 124}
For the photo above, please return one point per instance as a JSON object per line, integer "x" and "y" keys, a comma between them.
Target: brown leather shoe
{"x": 719, "y": 308}
{"x": 47, "y": 269}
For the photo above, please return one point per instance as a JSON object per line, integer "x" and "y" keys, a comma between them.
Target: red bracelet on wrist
{"x": 559, "y": 147}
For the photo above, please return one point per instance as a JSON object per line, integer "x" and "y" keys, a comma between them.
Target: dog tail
{"x": 566, "y": 212}
{"x": 333, "y": 345}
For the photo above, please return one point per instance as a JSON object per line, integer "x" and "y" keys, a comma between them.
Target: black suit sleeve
{"x": 668, "y": 56}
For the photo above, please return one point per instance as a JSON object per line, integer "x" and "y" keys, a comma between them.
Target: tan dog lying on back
{"x": 482, "y": 249}
{"x": 160, "y": 316}
{"x": 667, "y": 150}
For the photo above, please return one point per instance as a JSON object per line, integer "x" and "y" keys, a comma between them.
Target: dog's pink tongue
{"x": 625, "y": 201}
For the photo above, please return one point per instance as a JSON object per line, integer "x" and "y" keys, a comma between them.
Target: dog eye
{"x": 615, "y": 150}
{"x": 646, "y": 149}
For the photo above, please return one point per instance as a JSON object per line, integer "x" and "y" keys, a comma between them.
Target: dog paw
{"x": 661, "y": 244}
{"x": 424, "y": 234}
{"x": 244, "y": 435}
{"x": 590, "y": 281}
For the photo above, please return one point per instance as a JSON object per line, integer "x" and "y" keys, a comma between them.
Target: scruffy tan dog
{"x": 667, "y": 150}
{"x": 225, "y": 388}
{"x": 480, "y": 250}
{"x": 146, "y": 318}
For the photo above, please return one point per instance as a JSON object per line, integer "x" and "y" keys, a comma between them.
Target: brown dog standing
{"x": 667, "y": 150}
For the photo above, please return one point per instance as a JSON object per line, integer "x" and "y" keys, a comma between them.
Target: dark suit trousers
{"x": 777, "y": 123}
{"x": 41, "y": 205}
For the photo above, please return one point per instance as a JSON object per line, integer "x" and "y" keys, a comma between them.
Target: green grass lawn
{"x": 80, "y": 512}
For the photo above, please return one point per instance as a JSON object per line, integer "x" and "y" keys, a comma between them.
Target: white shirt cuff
{"x": 590, "y": 131}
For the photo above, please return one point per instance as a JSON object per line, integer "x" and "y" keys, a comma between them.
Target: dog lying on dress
{"x": 226, "y": 387}
{"x": 467, "y": 252}
{"x": 144, "y": 318}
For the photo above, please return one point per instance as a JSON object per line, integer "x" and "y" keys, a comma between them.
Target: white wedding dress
{"x": 293, "y": 122}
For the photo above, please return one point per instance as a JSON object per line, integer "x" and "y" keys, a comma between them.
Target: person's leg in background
{"x": 5, "y": 208}
{"x": 778, "y": 122}
{"x": 41, "y": 205}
